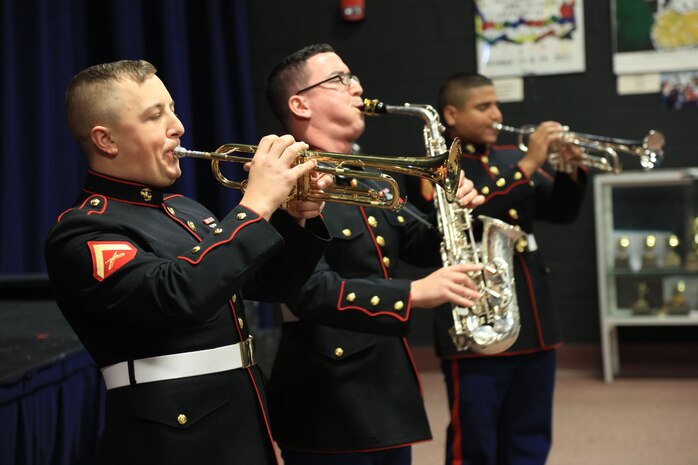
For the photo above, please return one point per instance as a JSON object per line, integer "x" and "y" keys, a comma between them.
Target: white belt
{"x": 164, "y": 367}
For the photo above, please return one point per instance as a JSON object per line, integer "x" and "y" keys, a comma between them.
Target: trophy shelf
{"x": 647, "y": 253}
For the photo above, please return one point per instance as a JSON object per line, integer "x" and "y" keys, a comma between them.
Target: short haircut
{"x": 86, "y": 100}
{"x": 288, "y": 76}
{"x": 455, "y": 90}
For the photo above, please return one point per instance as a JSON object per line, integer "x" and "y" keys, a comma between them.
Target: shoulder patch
{"x": 108, "y": 256}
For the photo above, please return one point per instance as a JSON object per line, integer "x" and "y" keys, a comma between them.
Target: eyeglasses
{"x": 345, "y": 78}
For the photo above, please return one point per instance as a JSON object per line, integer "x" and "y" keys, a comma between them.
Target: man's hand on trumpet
{"x": 547, "y": 135}
{"x": 306, "y": 209}
{"x": 273, "y": 176}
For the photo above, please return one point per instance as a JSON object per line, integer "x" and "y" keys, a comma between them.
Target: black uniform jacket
{"x": 138, "y": 273}
{"x": 344, "y": 378}
{"x": 518, "y": 200}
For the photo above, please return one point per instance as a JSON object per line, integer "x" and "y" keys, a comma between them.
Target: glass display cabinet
{"x": 647, "y": 253}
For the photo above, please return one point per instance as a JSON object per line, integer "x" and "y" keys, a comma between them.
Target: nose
{"x": 176, "y": 128}
{"x": 497, "y": 114}
{"x": 355, "y": 87}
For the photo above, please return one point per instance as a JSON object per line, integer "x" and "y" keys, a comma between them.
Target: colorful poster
{"x": 534, "y": 37}
{"x": 654, "y": 35}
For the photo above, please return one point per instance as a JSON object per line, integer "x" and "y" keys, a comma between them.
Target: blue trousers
{"x": 396, "y": 456}
{"x": 501, "y": 409}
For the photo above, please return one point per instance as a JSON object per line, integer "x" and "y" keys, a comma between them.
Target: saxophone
{"x": 492, "y": 324}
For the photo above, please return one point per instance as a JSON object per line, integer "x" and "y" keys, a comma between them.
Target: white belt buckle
{"x": 247, "y": 352}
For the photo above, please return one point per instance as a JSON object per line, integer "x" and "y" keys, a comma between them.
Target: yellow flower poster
{"x": 655, "y": 35}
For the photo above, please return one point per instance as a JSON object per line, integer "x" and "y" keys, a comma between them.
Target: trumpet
{"x": 598, "y": 152}
{"x": 443, "y": 170}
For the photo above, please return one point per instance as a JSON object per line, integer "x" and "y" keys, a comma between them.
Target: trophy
{"x": 622, "y": 258}
{"x": 641, "y": 306}
{"x": 692, "y": 257}
{"x": 672, "y": 259}
{"x": 649, "y": 256}
{"x": 676, "y": 305}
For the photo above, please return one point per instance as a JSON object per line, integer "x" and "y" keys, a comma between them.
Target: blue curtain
{"x": 53, "y": 414}
{"x": 201, "y": 51}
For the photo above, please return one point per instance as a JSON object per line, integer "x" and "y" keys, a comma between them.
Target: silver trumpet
{"x": 598, "y": 152}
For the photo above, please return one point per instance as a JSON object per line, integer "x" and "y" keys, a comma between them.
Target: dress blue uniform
{"x": 502, "y": 404}
{"x": 141, "y": 274}
{"x": 344, "y": 382}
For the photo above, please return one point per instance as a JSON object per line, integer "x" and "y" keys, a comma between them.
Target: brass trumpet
{"x": 599, "y": 152}
{"x": 443, "y": 170}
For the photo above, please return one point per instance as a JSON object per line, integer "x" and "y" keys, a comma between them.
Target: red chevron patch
{"x": 107, "y": 257}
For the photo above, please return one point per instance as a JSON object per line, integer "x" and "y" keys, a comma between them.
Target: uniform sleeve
{"x": 353, "y": 287}
{"x": 145, "y": 285}
{"x": 372, "y": 305}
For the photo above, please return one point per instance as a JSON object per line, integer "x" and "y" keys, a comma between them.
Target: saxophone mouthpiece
{"x": 373, "y": 107}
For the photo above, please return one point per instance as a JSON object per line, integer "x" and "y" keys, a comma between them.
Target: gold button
{"x": 533, "y": 184}
{"x": 217, "y": 231}
{"x": 241, "y": 216}
{"x": 521, "y": 244}
{"x": 351, "y": 297}
{"x": 470, "y": 148}
{"x": 353, "y": 182}
{"x": 346, "y": 232}
{"x": 513, "y": 213}
{"x": 485, "y": 190}
{"x": 380, "y": 241}
{"x": 485, "y": 159}
{"x": 147, "y": 194}
{"x": 235, "y": 298}
{"x": 372, "y": 221}
{"x": 94, "y": 202}
{"x": 338, "y": 352}
{"x": 191, "y": 225}
{"x": 386, "y": 262}
{"x": 518, "y": 175}
{"x": 375, "y": 300}
{"x": 400, "y": 219}
{"x": 195, "y": 249}
{"x": 399, "y": 305}
{"x": 171, "y": 210}
{"x": 501, "y": 182}
{"x": 182, "y": 419}
{"x": 494, "y": 170}
{"x": 241, "y": 322}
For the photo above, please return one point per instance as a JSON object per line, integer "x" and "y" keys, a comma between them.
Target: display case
{"x": 647, "y": 253}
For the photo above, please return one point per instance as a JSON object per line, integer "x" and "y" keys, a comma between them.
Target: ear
{"x": 450, "y": 112}
{"x": 298, "y": 105}
{"x": 103, "y": 141}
